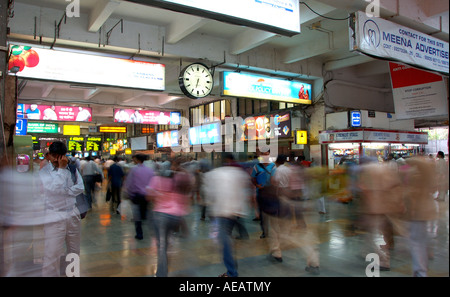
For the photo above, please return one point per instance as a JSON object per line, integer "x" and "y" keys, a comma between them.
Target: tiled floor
{"x": 108, "y": 248}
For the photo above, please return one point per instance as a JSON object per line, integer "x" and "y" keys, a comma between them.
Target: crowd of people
{"x": 393, "y": 197}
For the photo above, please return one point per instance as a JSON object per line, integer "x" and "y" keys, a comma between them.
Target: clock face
{"x": 196, "y": 81}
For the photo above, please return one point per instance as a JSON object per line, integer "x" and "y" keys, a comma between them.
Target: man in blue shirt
{"x": 261, "y": 175}
{"x": 115, "y": 179}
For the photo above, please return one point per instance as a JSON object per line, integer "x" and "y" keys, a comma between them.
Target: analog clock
{"x": 196, "y": 81}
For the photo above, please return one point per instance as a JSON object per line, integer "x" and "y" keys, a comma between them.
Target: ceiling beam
{"x": 182, "y": 27}
{"x": 101, "y": 12}
{"x": 249, "y": 39}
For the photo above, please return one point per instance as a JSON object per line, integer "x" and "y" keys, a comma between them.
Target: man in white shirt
{"x": 62, "y": 216}
{"x": 227, "y": 191}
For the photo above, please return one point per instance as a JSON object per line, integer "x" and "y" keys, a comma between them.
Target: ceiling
{"x": 179, "y": 26}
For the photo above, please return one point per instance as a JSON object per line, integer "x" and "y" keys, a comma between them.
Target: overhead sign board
{"x": 75, "y": 144}
{"x": 114, "y": 129}
{"x": 56, "y": 65}
{"x": 379, "y": 37}
{"x": 259, "y": 127}
{"x": 54, "y": 113}
{"x": 71, "y": 130}
{"x": 147, "y": 116}
{"x": 167, "y": 139}
{"x": 36, "y": 127}
{"x": 261, "y": 87}
{"x": 280, "y": 17}
{"x": 205, "y": 134}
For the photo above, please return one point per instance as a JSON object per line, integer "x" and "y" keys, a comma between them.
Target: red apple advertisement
{"x": 54, "y": 113}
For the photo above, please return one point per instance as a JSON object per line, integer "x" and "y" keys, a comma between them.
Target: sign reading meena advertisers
{"x": 378, "y": 37}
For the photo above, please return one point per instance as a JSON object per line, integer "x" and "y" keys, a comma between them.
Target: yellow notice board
{"x": 71, "y": 130}
{"x": 301, "y": 137}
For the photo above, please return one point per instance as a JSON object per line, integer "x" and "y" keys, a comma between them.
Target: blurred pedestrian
{"x": 283, "y": 230}
{"x": 116, "y": 176}
{"x": 420, "y": 184}
{"x": 170, "y": 195}
{"x": 381, "y": 207}
{"x": 261, "y": 175}
{"x": 135, "y": 184}
{"x": 89, "y": 171}
{"x": 441, "y": 176}
{"x": 227, "y": 192}
{"x": 62, "y": 216}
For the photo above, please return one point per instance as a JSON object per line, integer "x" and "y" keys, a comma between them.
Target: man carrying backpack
{"x": 261, "y": 175}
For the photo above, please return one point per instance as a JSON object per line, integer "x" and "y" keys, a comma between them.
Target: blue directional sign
{"x": 355, "y": 118}
{"x": 21, "y": 127}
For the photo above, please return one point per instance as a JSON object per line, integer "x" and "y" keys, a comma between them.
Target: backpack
{"x": 267, "y": 197}
{"x": 81, "y": 203}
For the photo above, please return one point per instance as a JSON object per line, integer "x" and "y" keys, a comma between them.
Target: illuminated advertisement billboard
{"x": 56, "y": 65}
{"x": 54, "y": 113}
{"x": 260, "y": 87}
{"x": 147, "y": 117}
{"x": 205, "y": 134}
{"x": 258, "y": 127}
{"x": 167, "y": 139}
{"x": 280, "y": 17}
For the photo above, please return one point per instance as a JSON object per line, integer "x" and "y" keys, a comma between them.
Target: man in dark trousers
{"x": 115, "y": 180}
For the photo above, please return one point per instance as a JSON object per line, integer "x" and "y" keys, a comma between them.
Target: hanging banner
{"x": 55, "y": 65}
{"x": 281, "y": 17}
{"x": 417, "y": 93}
{"x": 261, "y": 87}
{"x": 54, "y": 113}
{"x": 154, "y": 117}
{"x": 378, "y": 37}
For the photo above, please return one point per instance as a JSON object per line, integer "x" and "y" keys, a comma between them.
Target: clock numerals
{"x": 196, "y": 81}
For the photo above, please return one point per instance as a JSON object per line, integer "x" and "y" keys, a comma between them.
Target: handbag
{"x": 98, "y": 178}
{"x": 81, "y": 199}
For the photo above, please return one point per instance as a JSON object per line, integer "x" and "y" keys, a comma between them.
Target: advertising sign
{"x": 281, "y": 17}
{"x": 382, "y": 38}
{"x": 167, "y": 139}
{"x": 205, "y": 134}
{"x": 35, "y": 127}
{"x": 54, "y": 113}
{"x": 261, "y": 87}
{"x": 417, "y": 93}
{"x": 258, "y": 127}
{"x": 54, "y": 65}
{"x": 147, "y": 117}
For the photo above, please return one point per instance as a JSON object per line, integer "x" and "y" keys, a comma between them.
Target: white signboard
{"x": 372, "y": 135}
{"x": 417, "y": 93}
{"x": 278, "y": 16}
{"x": 46, "y": 64}
{"x": 341, "y": 136}
{"x": 381, "y": 38}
